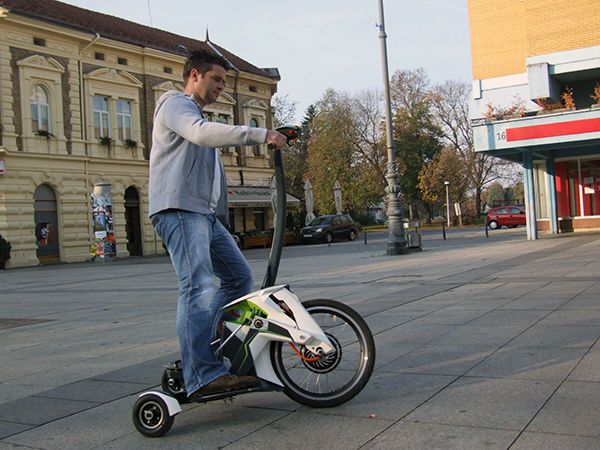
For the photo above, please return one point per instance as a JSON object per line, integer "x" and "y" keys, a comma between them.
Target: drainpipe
{"x": 84, "y": 133}
{"x": 236, "y": 113}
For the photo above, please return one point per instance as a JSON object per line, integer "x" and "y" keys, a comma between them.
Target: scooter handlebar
{"x": 291, "y": 132}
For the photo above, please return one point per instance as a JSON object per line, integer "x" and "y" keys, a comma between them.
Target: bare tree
{"x": 450, "y": 102}
{"x": 284, "y": 109}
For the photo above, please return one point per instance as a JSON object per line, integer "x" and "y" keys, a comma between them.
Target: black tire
{"x": 357, "y": 347}
{"x": 352, "y": 235}
{"x": 329, "y": 238}
{"x": 493, "y": 225}
{"x": 151, "y": 416}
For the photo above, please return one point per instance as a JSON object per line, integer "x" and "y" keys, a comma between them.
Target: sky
{"x": 318, "y": 44}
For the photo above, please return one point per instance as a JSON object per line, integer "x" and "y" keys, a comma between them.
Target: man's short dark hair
{"x": 203, "y": 61}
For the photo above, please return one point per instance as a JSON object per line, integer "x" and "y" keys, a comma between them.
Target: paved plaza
{"x": 481, "y": 343}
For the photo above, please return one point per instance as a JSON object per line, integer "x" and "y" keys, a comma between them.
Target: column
{"x": 528, "y": 185}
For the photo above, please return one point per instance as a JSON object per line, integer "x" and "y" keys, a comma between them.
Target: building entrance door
{"x": 133, "y": 227}
{"x": 46, "y": 225}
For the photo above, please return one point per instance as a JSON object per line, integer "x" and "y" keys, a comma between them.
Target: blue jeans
{"x": 200, "y": 248}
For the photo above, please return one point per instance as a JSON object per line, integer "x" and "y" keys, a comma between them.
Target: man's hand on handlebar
{"x": 275, "y": 139}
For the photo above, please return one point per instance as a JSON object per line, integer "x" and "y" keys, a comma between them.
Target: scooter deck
{"x": 264, "y": 386}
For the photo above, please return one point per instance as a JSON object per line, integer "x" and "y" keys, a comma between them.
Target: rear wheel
{"x": 332, "y": 379}
{"x": 493, "y": 225}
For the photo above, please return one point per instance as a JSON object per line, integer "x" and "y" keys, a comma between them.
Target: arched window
{"x": 40, "y": 112}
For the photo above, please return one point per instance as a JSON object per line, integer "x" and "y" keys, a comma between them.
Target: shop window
{"x": 39, "y": 41}
{"x": 40, "y": 110}
{"x": 101, "y": 117}
{"x": 590, "y": 178}
{"x": 124, "y": 120}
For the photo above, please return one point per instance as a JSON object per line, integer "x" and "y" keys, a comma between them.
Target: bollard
{"x": 365, "y": 232}
{"x": 444, "y": 230}
{"x": 486, "y": 231}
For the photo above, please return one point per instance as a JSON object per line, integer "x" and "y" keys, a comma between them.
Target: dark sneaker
{"x": 225, "y": 383}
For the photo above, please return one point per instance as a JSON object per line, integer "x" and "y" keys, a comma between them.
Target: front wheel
{"x": 332, "y": 379}
{"x": 493, "y": 225}
{"x": 352, "y": 235}
{"x": 151, "y": 416}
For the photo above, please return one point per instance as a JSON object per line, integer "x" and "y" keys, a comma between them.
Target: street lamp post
{"x": 397, "y": 244}
{"x": 447, "y": 184}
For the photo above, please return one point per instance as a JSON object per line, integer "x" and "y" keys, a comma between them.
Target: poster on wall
{"x": 102, "y": 222}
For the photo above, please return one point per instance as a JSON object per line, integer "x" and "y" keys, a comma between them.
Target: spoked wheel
{"x": 151, "y": 416}
{"x": 327, "y": 380}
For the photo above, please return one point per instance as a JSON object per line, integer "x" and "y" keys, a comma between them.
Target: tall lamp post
{"x": 397, "y": 244}
{"x": 447, "y": 184}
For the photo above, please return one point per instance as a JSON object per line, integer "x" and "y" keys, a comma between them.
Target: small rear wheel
{"x": 151, "y": 416}
{"x": 331, "y": 379}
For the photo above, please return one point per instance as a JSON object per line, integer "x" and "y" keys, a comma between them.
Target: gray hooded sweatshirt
{"x": 183, "y": 157}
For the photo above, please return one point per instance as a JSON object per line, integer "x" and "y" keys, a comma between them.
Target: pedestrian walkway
{"x": 481, "y": 343}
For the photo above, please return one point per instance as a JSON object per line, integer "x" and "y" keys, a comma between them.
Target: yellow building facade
{"x": 536, "y": 101}
{"x": 76, "y": 105}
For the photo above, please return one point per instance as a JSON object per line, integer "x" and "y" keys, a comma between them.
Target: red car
{"x": 505, "y": 216}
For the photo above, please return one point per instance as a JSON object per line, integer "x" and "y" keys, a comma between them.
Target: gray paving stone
{"x": 10, "y": 428}
{"x": 588, "y": 368}
{"x": 558, "y": 336}
{"x": 390, "y": 395}
{"x": 301, "y": 431}
{"x": 493, "y": 335}
{"x": 440, "y": 359}
{"x": 485, "y": 402}
{"x": 509, "y": 317}
{"x": 546, "y": 441}
{"x": 96, "y": 391}
{"x": 39, "y": 410}
{"x": 574, "y": 318}
{"x": 573, "y": 409}
{"x": 529, "y": 363}
{"x": 447, "y": 316}
{"x": 411, "y": 435}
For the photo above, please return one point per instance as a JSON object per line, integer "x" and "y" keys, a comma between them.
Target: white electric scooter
{"x": 321, "y": 353}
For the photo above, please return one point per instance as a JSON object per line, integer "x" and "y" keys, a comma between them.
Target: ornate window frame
{"x": 46, "y": 72}
{"x": 115, "y": 85}
{"x": 257, "y": 110}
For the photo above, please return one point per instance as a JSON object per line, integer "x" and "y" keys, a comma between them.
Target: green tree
{"x": 417, "y": 138}
{"x": 445, "y": 166}
{"x": 295, "y": 157}
{"x": 338, "y": 151}
{"x": 494, "y": 194}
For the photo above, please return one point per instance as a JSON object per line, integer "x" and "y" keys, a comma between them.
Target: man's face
{"x": 206, "y": 88}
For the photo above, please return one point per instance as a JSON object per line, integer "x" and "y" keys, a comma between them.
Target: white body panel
{"x": 172, "y": 404}
{"x": 303, "y": 330}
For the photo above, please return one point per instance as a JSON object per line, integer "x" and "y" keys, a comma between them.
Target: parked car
{"x": 330, "y": 227}
{"x": 505, "y": 216}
